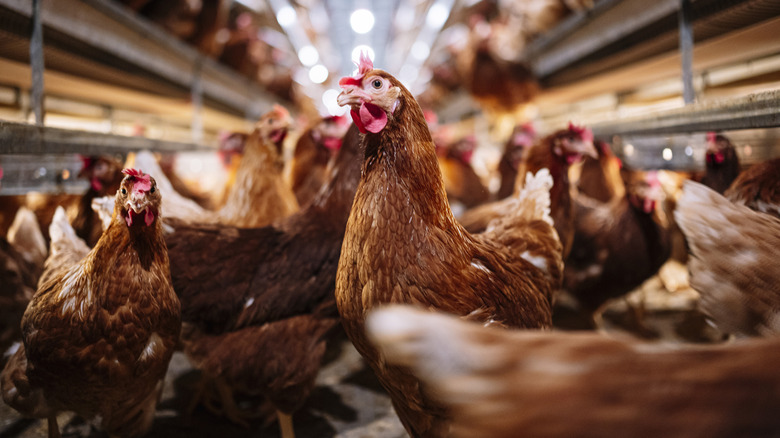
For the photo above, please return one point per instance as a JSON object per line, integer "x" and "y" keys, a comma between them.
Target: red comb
{"x": 281, "y": 111}
{"x": 584, "y": 133}
{"x": 364, "y": 66}
{"x": 143, "y": 180}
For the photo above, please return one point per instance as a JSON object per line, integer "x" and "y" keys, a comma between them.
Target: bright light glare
{"x": 689, "y": 151}
{"x": 408, "y": 73}
{"x": 286, "y": 16}
{"x": 667, "y": 154}
{"x": 308, "y": 55}
{"x": 318, "y": 74}
{"x": 362, "y": 48}
{"x": 628, "y": 150}
{"x": 362, "y": 21}
{"x": 329, "y": 98}
{"x": 420, "y": 51}
{"x": 437, "y": 15}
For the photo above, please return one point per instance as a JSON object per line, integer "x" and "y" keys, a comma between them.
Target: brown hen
{"x": 555, "y": 152}
{"x": 403, "y": 245}
{"x": 259, "y": 304}
{"x": 98, "y": 335}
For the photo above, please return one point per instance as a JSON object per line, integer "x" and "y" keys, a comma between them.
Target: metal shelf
{"x": 760, "y": 110}
{"x": 618, "y": 32}
{"x": 21, "y": 138}
{"x": 121, "y": 47}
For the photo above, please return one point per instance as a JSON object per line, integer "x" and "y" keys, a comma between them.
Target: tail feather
{"x": 63, "y": 236}
{"x": 529, "y": 204}
{"x": 734, "y": 260}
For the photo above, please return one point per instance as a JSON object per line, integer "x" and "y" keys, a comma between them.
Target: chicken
{"x": 617, "y": 245}
{"x": 758, "y": 188}
{"x": 463, "y": 185}
{"x": 259, "y": 305}
{"x": 515, "y": 148}
{"x": 600, "y": 179}
{"x": 314, "y": 150}
{"x": 722, "y": 163}
{"x": 21, "y": 257}
{"x": 556, "y": 152}
{"x": 105, "y": 175}
{"x": 403, "y": 245}
{"x": 501, "y": 383}
{"x": 260, "y": 195}
{"x": 98, "y": 335}
{"x": 733, "y": 263}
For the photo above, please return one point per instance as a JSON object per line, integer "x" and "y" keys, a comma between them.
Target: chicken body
{"x": 758, "y": 188}
{"x": 105, "y": 175}
{"x": 98, "y": 335}
{"x": 502, "y": 383}
{"x": 555, "y": 152}
{"x": 733, "y": 262}
{"x": 617, "y": 245}
{"x": 461, "y": 182}
{"x": 515, "y": 148}
{"x": 403, "y": 245}
{"x": 259, "y": 196}
{"x": 314, "y": 150}
{"x": 259, "y": 304}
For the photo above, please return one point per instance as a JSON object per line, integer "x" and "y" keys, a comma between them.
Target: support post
{"x": 36, "y": 62}
{"x": 686, "y": 50}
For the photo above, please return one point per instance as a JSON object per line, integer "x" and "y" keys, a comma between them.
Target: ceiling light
{"x": 286, "y": 16}
{"x": 628, "y": 150}
{"x": 359, "y": 49}
{"x": 689, "y": 151}
{"x": 437, "y": 15}
{"x": 362, "y": 21}
{"x": 667, "y": 154}
{"x": 420, "y": 50}
{"x": 318, "y": 74}
{"x": 308, "y": 55}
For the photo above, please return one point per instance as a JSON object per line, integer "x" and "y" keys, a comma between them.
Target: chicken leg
{"x": 286, "y": 425}
{"x": 54, "y": 429}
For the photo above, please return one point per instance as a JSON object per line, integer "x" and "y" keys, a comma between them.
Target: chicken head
{"x": 574, "y": 143}
{"x": 137, "y": 198}
{"x": 372, "y": 96}
{"x": 273, "y": 126}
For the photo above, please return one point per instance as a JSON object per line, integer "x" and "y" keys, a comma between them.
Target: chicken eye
{"x": 376, "y": 83}
{"x": 124, "y": 191}
{"x": 151, "y": 190}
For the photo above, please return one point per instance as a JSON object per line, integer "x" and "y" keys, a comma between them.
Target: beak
{"x": 352, "y": 96}
{"x": 137, "y": 202}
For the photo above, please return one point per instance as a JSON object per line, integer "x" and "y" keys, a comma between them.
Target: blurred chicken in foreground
{"x": 502, "y": 383}
{"x": 734, "y": 261}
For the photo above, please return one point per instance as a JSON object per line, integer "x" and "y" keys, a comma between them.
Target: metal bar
{"x": 114, "y": 31}
{"x": 20, "y": 138}
{"x": 605, "y": 25}
{"x": 36, "y": 62}
{"x": 686, "y": 50}
{"x": 197, "y": 102}
{"x": 754, "y": 111}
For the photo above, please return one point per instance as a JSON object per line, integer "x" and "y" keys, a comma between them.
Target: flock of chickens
{"x": 453, "y": 314}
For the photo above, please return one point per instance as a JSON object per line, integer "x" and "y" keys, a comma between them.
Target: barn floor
{"x": 348, "y": 401}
